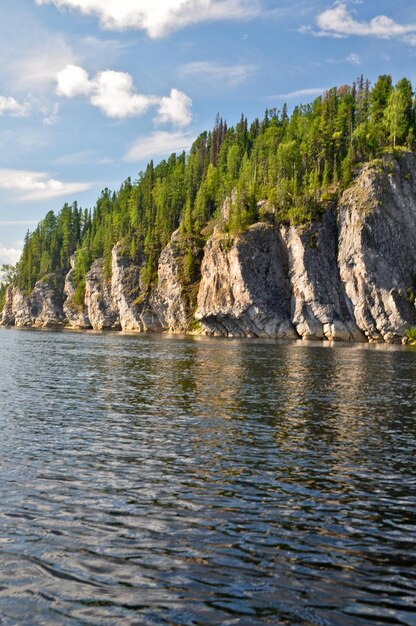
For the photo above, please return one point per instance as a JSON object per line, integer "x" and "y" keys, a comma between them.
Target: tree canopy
{"x": 282, "y": 168}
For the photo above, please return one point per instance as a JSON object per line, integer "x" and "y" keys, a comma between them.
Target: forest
{"x": 282, "y": 168}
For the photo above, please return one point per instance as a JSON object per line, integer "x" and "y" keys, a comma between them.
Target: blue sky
{"x": 90, "y": 90}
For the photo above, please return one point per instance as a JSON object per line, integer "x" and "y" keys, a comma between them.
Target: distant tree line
{"x": 286, "y": 168}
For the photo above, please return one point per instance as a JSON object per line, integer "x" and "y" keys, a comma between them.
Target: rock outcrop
{"x": 168, "y": 300}
{"x": 76, "y": 315}
{"x": 276, "y": 281}
{"x": 40, "y": 309}
{"x": 16, "y": 311}
{"x": 46, "y": 303}
{"x": 128, "y": 299}
{"x": 351, "y": 276}
{"x": 320, "y": 307}
{"x": 377, "y": 247}
{"x": 244, "y": 288}
{"x": 102, "y": 312}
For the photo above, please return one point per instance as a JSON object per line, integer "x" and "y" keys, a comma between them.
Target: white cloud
{"x": 159, "y": 144}
{"x": 9, "y": 256}
{"x": 352, "y": 58}
{"x": 228, "y": 75}
{"x": 176, "y": 109}
{"x": 37, "y": 185}
{"x": 35, "y": 66}
{"x": 339, "y": 22}
{"x": 300, "y": 93}
{"x": 113, "y": 93}
{"x": 160, "y": 17}
{"x": 83, "y": 157}
{"x": 11, "y": 106}
{"x": 52, "y": 116}
{"x": 73, "y": 81}
{"x": 15, "y": 141}
{"x": 355, "y": 59}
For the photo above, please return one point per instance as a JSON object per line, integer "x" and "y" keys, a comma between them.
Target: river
{"x": 189, "y": 481}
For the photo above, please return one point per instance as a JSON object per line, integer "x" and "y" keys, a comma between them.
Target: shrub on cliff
{"x": 411, "y": 335}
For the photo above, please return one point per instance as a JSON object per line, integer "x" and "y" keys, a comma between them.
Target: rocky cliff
{"x": 245, "y": 286}
{"x": 43, "y": 308}
{"x": 377, "y": 247}
{"x": 351, "y": 276}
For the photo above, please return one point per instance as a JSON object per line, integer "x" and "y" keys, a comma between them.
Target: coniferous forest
{"x": 298, "y": 163}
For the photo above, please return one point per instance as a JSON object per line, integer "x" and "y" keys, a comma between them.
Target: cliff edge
{"x": 351, "y": 276}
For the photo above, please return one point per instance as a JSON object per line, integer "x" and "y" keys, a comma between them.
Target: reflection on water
{"x": 155, "y": 480}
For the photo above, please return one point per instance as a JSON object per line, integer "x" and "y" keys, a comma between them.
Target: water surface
{"x": 156, "y": 480}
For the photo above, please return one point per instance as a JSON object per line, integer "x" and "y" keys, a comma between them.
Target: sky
{"x": 91, "y": 90}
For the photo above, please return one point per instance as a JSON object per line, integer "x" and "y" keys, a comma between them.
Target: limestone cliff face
{"x": 76, "y": 315}
{"x": 168, "y": 300}
{"x": 134, "y": 310}
{"x": 41, "y": 309}
{"x": 351, "y": 276}
{"x": 244, "y": 289}
{"x": 276, "y": 281}
{"x": 377, "y": 247}
{"x": 347, "y": 278}
{"x": 320, "y": 308}
{"x": 16, "y": 311}
{"x": 46, "y": 304}
{"x": 102, "y": 313}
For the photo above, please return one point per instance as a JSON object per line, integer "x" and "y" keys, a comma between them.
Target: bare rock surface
{"x": 320, "y": 308}
{"x": 46, "y": 304}
{"x": 76, "y": 315}
{"x": 377, "y": 247}
{"x": 245, "y": 288}
{"x": 40, "y": 309}
{"x": 134, "y": 311}
{"x": 16, "y": 311}
{"x": 98, "y": 299}
{"x": 168, "y": 300}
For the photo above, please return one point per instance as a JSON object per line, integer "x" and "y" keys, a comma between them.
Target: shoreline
{"x": 324, "y": 343}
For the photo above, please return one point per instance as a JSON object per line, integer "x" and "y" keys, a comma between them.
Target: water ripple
{"x": 159, "y": 480}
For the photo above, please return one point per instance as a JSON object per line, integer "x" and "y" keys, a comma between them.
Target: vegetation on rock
{"x": 411, "y": 336}
{"x": 281, "y": 168}
{"x": 3, "y": 287}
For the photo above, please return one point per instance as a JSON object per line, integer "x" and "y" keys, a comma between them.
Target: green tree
{"x": 286, "y": 167}
{"x": 398, "y": 113}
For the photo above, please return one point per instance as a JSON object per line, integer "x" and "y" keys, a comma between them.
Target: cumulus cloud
{"x": 225, "y": 74}
{"x": 37, "y": 185}
{"x": 339, "y": 22}
{"x": 11, "y": 106}
{"x": 160, "y": 17}
{"x": 9, "y": 256}
{"x": 158, "y": 144}
{"x": 113, "y": 93}
{"x": 175, "y": 109}
{"x": 73, "y": 81}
